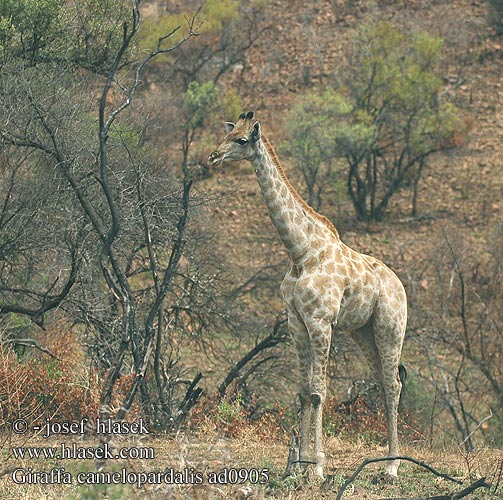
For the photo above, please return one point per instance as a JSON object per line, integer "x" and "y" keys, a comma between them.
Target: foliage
{"x": 85, "y": 33}
{"x": 386, "y": 120}
{"x": 202, "y": 102}
{"x": 457, "y": 331}
{"x": 229, "y": 102}
{"x": 198, "y": 98}
{"x": 310, "y": 128}
{"x": 38, "y": 388}
{"x": 227, "y": 28}
{"x": 231, "y": 417}
{"x": 96, "y": 220}
{"x": 360, "y": 418}
{"x": 28, "y": 26}
{"x": 227, "y": 411}
{"x": 363, "y": 417}
{"x": 218, "y": 13}
{"x": 213, "y": 16}
{"x": 395, "y": 103}
{"x": 90, "y": 225}
{"x": 153, "y": 29}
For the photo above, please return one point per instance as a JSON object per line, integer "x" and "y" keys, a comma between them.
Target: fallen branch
{"x": 481, "y": 483}
{"x": 368, "y": 461}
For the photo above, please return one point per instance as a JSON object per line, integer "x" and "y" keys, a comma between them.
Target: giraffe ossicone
{"x": 329, "y": 288}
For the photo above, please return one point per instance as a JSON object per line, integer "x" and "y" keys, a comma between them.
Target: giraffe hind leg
{"x": 385, "y": 370}
{"x": 364, "y": 337}
{"x": 389, "y": 339}
{"x": 392, "y": 388}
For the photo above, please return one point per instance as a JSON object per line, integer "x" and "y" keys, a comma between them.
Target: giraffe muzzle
{"x": 215, "y": 159}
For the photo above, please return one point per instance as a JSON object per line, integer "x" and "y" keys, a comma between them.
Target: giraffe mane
{"x": 296, "y": 195}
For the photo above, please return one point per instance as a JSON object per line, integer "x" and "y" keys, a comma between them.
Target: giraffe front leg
{"x": 300, "y": 338}
{"x": 320, "y": 335}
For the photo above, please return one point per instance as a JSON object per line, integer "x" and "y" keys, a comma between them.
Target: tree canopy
{"x": 385, "y": 119}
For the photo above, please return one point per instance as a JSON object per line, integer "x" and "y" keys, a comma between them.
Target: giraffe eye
{"x": 241, "y": 141}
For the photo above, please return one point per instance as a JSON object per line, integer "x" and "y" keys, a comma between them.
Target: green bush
{"x": 85, "y": 33}
{"x": 214, "y": 15}
{"x": 385, "y": 119}
{"x": 310, "y": 126}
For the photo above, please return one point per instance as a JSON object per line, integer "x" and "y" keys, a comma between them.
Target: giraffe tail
{"x": 402, "y": 375}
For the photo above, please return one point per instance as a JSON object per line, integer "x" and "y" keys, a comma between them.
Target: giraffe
{"x": 328, "y": 289}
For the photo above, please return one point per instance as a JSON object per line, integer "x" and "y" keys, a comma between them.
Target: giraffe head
{"x": 239, "y": 143}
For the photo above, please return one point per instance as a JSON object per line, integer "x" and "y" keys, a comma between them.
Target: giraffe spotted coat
{"x": 328, "y": 289}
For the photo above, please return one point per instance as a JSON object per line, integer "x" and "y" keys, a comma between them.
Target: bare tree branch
{"x": 273, "y": 339}
{"x": 485, "y": 419}
{"x": 30, "y": 343}
{"x": 47, "y": 301}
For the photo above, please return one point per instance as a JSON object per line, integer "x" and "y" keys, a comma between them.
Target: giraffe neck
{"x": 290, "y": 214}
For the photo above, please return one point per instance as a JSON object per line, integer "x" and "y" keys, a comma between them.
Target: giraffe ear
{"x": 255, "y": 135}
{"x": 229, "y": 127}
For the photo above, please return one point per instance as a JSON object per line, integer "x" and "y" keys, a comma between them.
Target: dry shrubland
{"x": 135, "y": 283}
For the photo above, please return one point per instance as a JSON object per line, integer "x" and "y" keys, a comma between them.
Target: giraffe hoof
{"x": 318, "y": 473}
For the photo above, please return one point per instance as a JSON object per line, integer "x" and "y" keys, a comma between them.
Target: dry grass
{"x": 208, "y": 452}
